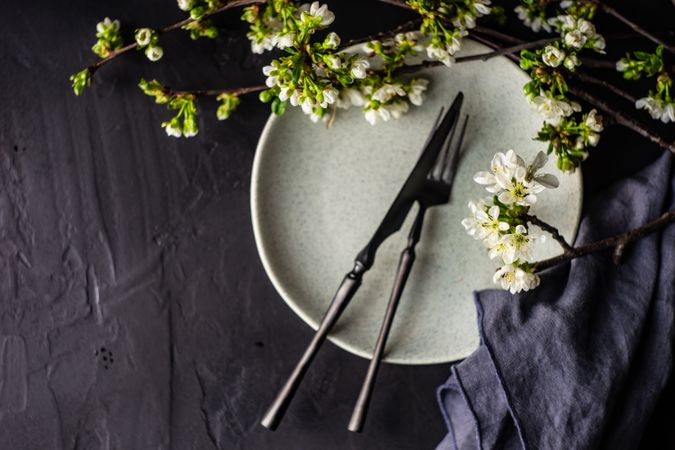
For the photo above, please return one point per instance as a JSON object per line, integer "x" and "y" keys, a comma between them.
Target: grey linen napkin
{"x": 578, "y": 363}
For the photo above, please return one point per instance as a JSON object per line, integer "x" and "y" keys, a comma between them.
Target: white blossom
{"x": 154, "y": 52}
{"x": 418, "y": 87}
{"x": 571, "y": 62}
{"x": 502, "y": 167}
{"x": 484, "y": 223}
{"x": 350, "y": 97}
{"x": 333, "y": 62}
{"x": 440, "y": 54}
{"x": 652, "y": 105}
{"x": 668, "y": 114}
{"x": 482, "y": 7}
{"x": 283, "y": 41}
{"x": 107, "y": 24}
{"x": 545, "y": 179}
{"x": 332, "y": 41}
{"x": 359, "y": 68}
{"x": 599, "y": 43}
{"x": 143, "y": 36}
{"x": 515, "y": 279}
{"x": 575, "y": 39}
{"x": 272, "y": 75}
{"x": 316, "y": 11}
{"x": 517, "y": 189}
{"x": 552, "y": 109}
{"x": 330, "y": 96}
{"x": 552, "y": 56}
{"x": 388, "y": 91}
{"x": 593, "y": 138}
{"x": 173, "y": 130}
{"x": 621, "y": 65}
{"x": 535, "y": 23}
{"x": 594, "y": 121}
{"x": 185, "y": 5}
{"x": 386, "y": 112}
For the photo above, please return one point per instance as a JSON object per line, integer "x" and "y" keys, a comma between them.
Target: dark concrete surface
{"x": 134, "y": 310}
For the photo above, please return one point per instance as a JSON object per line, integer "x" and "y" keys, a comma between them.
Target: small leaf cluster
{"x": 185, "y": 122}
{"x": 81, "y": 80}
{"x": 570, "y": 138}
{"x": 228, "y": 103}
{"x": 109, "y": 37}
{"x": 393, "y": 52}
{"x": 641, "y": 64}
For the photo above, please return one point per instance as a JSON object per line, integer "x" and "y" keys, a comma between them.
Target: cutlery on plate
{"x": 391, "y": 223}
{"x": 435, "y": 191}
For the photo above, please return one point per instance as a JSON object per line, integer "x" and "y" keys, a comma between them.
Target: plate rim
{"x": 283, "y": 293}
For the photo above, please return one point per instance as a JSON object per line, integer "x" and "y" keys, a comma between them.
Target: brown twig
{"x": 215, "y": 92}
{"x": 406, "y": 26}
{"x": 623, "y": 119}
{"x": 635, "y": 27}
{"x": 553, "y": 231}
{"x": 618, "y": 242}
{"x": 582, "y": 76}
{"x": 619, "y": 117}
{"x": 114, "y": 54}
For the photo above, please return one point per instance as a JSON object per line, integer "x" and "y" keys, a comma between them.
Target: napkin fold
{"x": 578, "y": 363}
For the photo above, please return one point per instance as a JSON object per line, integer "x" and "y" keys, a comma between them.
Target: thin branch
{"x": 617, "y": 15}
{"x": 620, "y": 118}
{"x": 553, "y": 231}
{"x": 215, "y": 92}
{"x": 581, "y": 76}
{"x": 406, "y": 26}
{"x": 624, "y": 120}
{"x": 618, "y": 242}
{"x": 398, "y": 3}
{"x": 114, "y": 54}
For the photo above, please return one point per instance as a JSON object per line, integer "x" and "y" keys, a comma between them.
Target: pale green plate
{"x": 318, "y": 194}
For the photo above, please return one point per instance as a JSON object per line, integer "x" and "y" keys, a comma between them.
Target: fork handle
{"x": 344, "y": 294}
{"x": 405, "y": 264}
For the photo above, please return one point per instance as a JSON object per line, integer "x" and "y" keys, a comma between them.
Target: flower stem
{"x": 553, "y": 231}
{"x": 618, "y": 243}
{"x": 114, "y": 54}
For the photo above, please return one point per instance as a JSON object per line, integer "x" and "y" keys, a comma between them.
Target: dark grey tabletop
{"x": 134, "y": 310}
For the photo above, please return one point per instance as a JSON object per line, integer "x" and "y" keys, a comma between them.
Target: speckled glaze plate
{"x": 318, "y": 194}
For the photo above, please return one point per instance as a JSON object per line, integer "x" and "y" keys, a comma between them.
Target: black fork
{"x": 436, "y": 191}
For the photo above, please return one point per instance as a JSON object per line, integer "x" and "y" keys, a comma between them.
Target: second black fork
{"x": 435, "y": 192}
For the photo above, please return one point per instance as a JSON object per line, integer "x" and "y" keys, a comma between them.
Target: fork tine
{"x": 433, "y": 128}
{"x": 450, "y": 167}
{"x": 436, "y": 172}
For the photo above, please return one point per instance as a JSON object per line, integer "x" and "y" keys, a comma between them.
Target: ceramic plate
{"x": 318, "y": 194}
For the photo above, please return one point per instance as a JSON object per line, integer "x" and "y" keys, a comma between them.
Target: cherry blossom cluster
{"x": 446, "y": 23}
{"x": 500, "y": 221}
{"x": 319, "y": 77}
{"x": 660, "y": 103}
{"x": 566, "y": 128}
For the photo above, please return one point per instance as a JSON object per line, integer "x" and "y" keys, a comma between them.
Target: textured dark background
{"x": 134, "y": 311}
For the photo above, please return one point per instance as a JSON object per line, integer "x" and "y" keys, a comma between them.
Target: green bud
{"x": 80, "y": 80}
{"x": 198, "y": 12}
{"x": 229, "y": 103}
{"x": 278, "y": 106}
{"x": 267, "y": 95}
